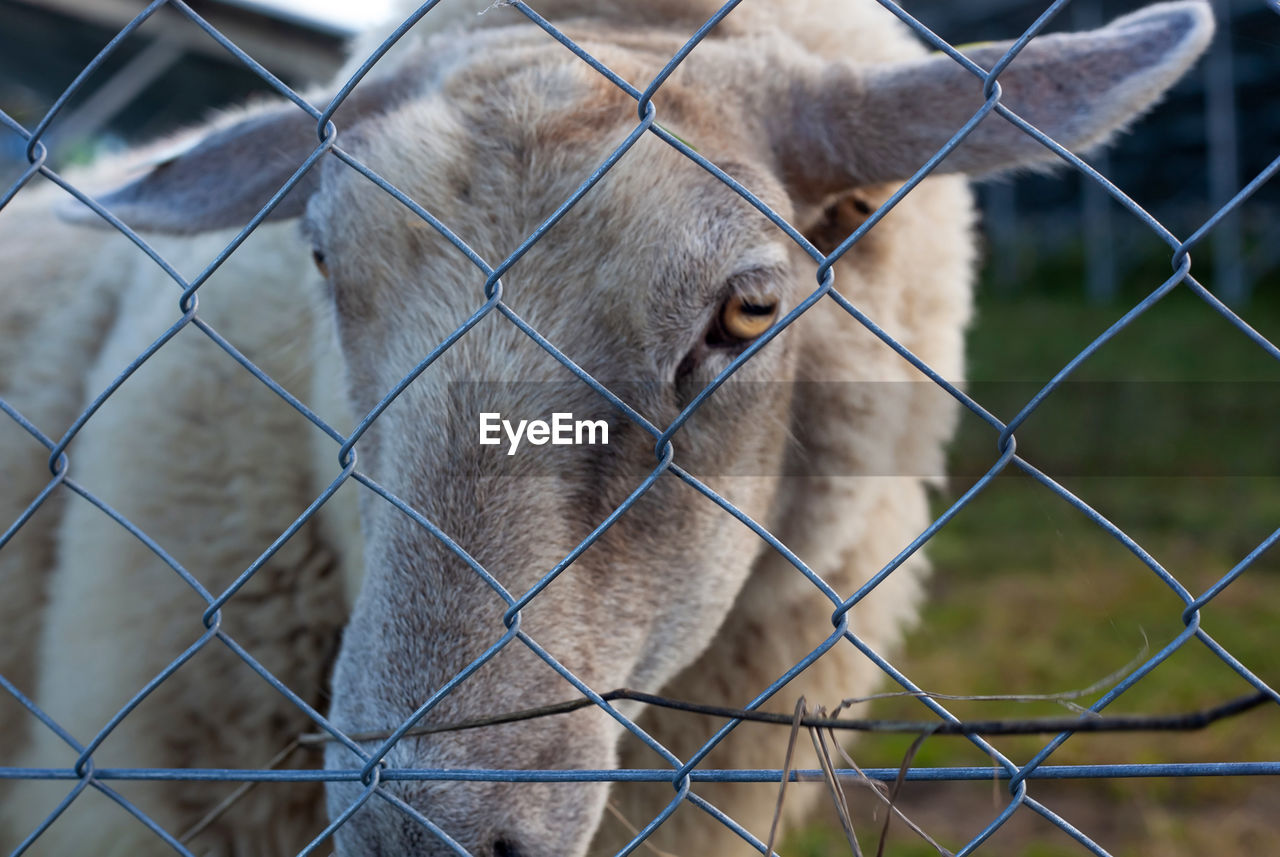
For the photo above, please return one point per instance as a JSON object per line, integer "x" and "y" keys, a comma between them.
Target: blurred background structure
{"x": 167, "y": 76}
{"x": 1218, "y": 129}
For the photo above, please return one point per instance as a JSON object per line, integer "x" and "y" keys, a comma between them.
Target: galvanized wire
{"x": 682, "y": 774}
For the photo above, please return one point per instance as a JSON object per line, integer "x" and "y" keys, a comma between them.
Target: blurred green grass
{"x": 1031, "y": 597}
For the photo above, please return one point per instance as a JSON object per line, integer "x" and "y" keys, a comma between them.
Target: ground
{"x": 1031, "y": 597}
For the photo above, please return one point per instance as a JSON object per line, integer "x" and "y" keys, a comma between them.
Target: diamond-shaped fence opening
{"x": 170, "y": 680}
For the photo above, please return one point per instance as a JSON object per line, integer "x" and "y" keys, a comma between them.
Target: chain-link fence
{"x": 380, "y": 786}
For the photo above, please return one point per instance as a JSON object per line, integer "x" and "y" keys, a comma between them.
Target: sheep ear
{"x": 229, "y": 175}
{"x": 221, "y": 181}
{"x": 851, "y": 126}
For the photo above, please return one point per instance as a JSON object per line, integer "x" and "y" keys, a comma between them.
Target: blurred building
{"x": 1217, "y": 130}
{"x": 166, "y": 75}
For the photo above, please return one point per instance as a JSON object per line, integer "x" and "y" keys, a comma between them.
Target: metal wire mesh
{"x": 682, "y": 773}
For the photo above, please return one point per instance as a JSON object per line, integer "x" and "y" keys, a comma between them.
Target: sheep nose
{"x": 407, "y": 838}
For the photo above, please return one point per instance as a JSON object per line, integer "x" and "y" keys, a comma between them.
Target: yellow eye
{"x": 743, "y": 319}
{"x": 318, "y": 258}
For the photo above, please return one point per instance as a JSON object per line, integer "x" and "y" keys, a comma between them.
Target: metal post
{"x": 1101, "y": 277}
{"x": 1229, "y": 281}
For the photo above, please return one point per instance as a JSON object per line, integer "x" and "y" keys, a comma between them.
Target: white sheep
{"x": 653, "y": 283}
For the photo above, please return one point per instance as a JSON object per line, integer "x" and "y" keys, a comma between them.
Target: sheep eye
{"x": 742, "y": 319}
{"x": 318, "y": 258}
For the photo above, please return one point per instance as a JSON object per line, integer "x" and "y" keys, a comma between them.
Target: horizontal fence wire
{"x": 57, "y": 446}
